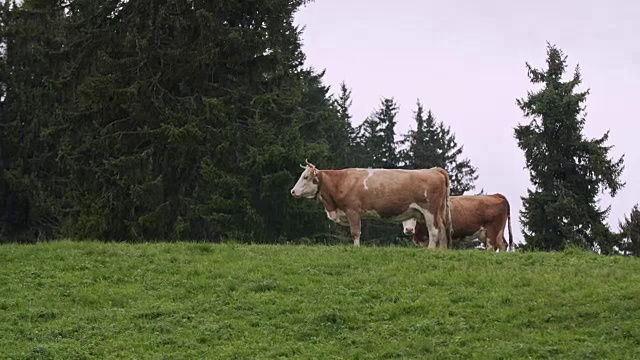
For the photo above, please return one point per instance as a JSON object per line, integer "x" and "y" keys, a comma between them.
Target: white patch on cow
{"x": 409, "y": 226}
{"x": 305, "y": 187}
{"x": 409, "y": 222}
{"x": 433, "y": 231}
{"x": 370, "y": 172}
{"x": 413, "y": 211}
{"x": 475, "y": 235}
{"x": 338, "y": 216}
{"x": 430, "y": 222}
{"x": 426, "y": 196}
{"x": 370, "y": 214}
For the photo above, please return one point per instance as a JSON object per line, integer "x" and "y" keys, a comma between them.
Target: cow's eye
{"x": 305, "y": 177}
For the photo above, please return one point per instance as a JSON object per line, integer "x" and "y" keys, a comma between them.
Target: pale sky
{"x": 465, "y": 60}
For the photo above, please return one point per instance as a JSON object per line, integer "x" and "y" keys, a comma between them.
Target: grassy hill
{"x": 80, "y": 300}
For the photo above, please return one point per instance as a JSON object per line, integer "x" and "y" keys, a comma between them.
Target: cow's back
{"x": 475, "y": 211}
{"x": 389, "y": 191}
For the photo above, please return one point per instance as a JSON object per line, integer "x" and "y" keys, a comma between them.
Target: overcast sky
{"x": 465, "y": 60}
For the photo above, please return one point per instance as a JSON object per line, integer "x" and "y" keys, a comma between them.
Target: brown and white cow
{"x": 473, "y": 216}
{"x": 394, "y": 195}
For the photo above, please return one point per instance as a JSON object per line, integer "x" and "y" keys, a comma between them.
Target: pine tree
{"x": 5, "y": 7}
{"x": 462, "y": 174}
{"x": 630, "y": 233}
{"x": 433, "y": 144}
{"x": 423, "y": 145}
{"x": 387, "y": 120}
{"x": 566, "y": 169}
{"x": 135, "y": 143}
{"x": 353, "y": 155}
{"x": 377, "y": 134}
{"x": 32, "y": 60}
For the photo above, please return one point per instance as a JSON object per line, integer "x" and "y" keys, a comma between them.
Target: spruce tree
{"x": 433, "y": 144}
{"x": 4, "y": 154}
{"x": 423, "y": 145}
{"x": 387, "y": 120}
{"x": 132, "y": 142}
{"x": 377, "y": 134}
{"x": 567, "y": 170}
{"x": 32, "y": 59}
{"x": 353, "y": 155}
{"x": 462, "y": 174}
{"x": 630, "y": 233}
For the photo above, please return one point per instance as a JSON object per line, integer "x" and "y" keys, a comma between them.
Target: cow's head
{"x": 307, "y": 185}
{"x": 409, "y": 226}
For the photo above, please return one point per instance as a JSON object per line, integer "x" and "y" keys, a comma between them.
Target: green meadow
{"x": 86, "y": 300}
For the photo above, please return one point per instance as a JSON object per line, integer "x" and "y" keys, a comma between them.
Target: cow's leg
{"x": 488, "y": 238}
{"x": 482, "y": 236}
{"x": 415, "y": 238}
{"x": 431, "y": 227}
{"x": 442, "y": 235}
{"x": 421, "y": 234}
{"x": 354, "y": 225}
{"x": 417, "y": 242}
{"x": 495, "y": 237}
{"x": 493, "y": 240}
{"x": 502, "y": 242}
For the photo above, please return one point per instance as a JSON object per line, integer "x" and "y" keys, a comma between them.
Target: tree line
{"x": 186, "y": 120}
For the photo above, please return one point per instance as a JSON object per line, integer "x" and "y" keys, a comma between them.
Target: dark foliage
{"x": 630, "y": 233}
{"x": 567, "y": 170}
{"x": 433, "y": 144}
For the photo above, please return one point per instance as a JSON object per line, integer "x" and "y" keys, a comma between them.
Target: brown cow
{"x": 473, "y": 216}
{"x": 393, "y": 195}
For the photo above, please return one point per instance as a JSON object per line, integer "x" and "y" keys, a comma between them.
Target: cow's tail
{"x": 509, "y": 224}
{"x": 447, "y": 215}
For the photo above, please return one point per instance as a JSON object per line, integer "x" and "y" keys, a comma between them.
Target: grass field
{"x": 80, "y": 300}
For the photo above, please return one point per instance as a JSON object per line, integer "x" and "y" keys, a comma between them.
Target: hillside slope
{"x": 76, "y": 300}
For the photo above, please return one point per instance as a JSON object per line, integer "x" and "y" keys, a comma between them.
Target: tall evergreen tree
{"x": 4, "y": 155}
{"x": 387, "y": 119}
{"x": 630, "y": 233}
{"x": 132, "y": 142}
{"x": 462, "y": 173}
{"x": 353, "y": 155}
{"x": 324, "y": 139}
{"x": 32, "y": 55}
{"x": 424, "y": 144}
{"x": 433, "y": 144}
{"x": 567, "y": 170}
{"x": 378, "y": 135}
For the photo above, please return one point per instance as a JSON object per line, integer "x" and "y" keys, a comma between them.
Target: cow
{"x": 473, "y": 216}
{"x": 351, "y": 194}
